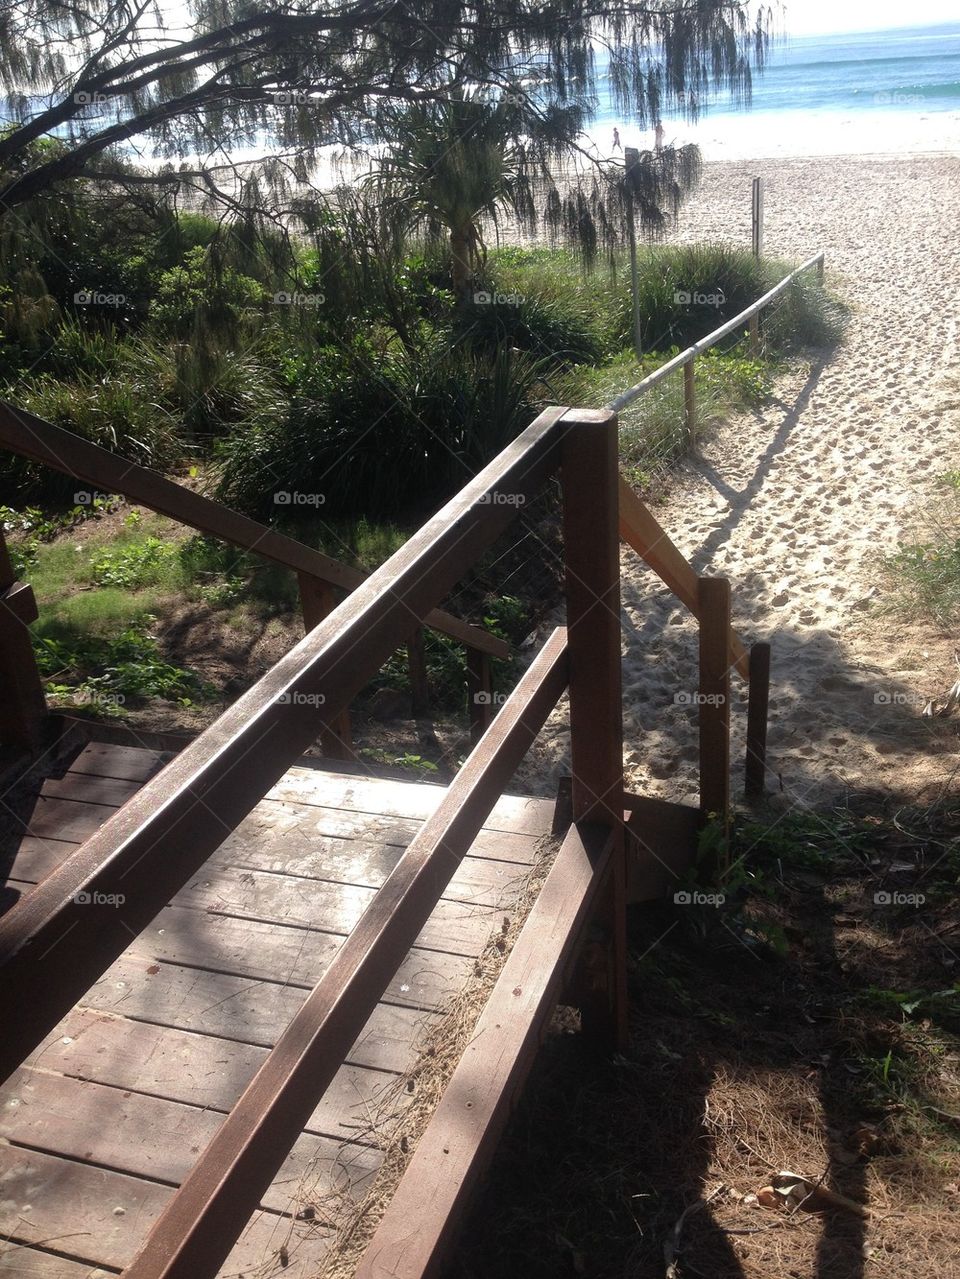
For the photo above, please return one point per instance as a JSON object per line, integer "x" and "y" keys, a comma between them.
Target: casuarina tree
{"x": 198, "y": 83}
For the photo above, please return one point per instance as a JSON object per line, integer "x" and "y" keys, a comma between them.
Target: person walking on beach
{"x": 616, "y": 140}
{"x": 658, "y": 139}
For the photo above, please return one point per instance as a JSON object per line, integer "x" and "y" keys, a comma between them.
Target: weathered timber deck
{"x": 108, "y": 1116}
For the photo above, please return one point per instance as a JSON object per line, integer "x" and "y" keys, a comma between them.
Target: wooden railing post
{"x": 714, "y": 696}
{"x": 590, "y": 476}
{"x": 417, "y": 670}
{"x": 690, "y": 401}
{"x": 757, "y": 708}
{"x": 317, "y": 600}
{"x": 755, "y": 335}
{"x": 23, "y": 706}
{"x": 479, "y": 693}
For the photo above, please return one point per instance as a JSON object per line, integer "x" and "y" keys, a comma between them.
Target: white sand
{"x": 794, "y": 502}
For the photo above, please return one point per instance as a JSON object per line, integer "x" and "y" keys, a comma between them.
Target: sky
{"x": 818, "y": 17}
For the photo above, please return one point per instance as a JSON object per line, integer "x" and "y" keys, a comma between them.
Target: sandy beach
{"x": 796, "y": 502}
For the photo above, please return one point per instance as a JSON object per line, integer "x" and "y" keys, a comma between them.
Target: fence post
{"x": 757, "y": 708}
{"x": 590, "y": 478}
{"x": 317, "y": 600}
{"x": 24, "y": 705}
{"x": 690, "y": 400}
{"x": 755, "y": 335}
{"x": 479, "y": 693}
{"x": 714, "y": 701}
{"x": 757, "y": 211}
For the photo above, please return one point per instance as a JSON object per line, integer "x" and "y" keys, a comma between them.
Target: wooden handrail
{"x": 195, "y": 1233}
{"x": 148, "y": 850}
{"x": 640, "y": 530}
{"x": 31, "y": 437}
{"x": 678, "y": 361}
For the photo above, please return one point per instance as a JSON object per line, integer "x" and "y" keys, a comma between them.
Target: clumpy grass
{"x": 685, "y": 292}
{"x": 95, "y": 612}
{"x": 924, "y": 574}
{"x": 653, "y": 429}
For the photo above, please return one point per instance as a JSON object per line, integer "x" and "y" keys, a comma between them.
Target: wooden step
{"x": 419, "y": 1225}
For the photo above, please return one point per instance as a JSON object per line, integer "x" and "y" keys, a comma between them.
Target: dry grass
{"x": 744, "y": 1063}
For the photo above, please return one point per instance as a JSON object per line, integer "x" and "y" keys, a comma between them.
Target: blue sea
{"x": 867, "y": 92}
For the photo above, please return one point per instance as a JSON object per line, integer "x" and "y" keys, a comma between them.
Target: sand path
{"x": 794, "y": 502}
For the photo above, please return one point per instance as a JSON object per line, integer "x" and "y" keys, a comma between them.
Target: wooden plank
{"x": 298, "y": 957}
{"x": 640, "y": 530}
{"x": 417, "y": 671}
{"x": 290, "y": 847}
{"x": 250, "y": 1012}
{"x": 85, "y": 788}
{"x": 414, "y": 1236}
{"x": 456, "y": 927}
{"x": 19, "y": 1262}
{"x": 157, "y": 1139}
{"x": 332, "y": 839}
{"x": 32, "y": 437}
{"x": 714, "y": 690}
{"x": 34, "y": 858}
{"x": 189, "y": 1240}
{"x": 478, "y": 881}
{"x": 590, "y": 461}
{"x": 255, "y": 948}
{"x": 99, "y": 1216}
{"x": 20, "y": 602}
{"x": 415, "y": 801}
{"x": 127, "y": 763}
{"x": 55, "y": 818}
{"x": 181, "y": 1065}
{"x": 661, "y": 845}
{"x": 317, "y": 601}
{"x": 165, "y": 832}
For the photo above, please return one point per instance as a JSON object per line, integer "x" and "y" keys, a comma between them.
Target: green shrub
{"x": 199, "y": 295}
{"x": 381, "y": 435}
{"x": 547, "y": 328}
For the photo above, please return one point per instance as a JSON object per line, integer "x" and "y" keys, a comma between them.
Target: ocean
{"x": 870, "y": 92}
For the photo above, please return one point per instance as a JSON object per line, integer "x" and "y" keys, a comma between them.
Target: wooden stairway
{"x": 110, "y": 1111}
{"x": 216, "y": 968}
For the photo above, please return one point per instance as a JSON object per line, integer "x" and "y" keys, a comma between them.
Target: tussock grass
{"x": 924, "y": 573}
